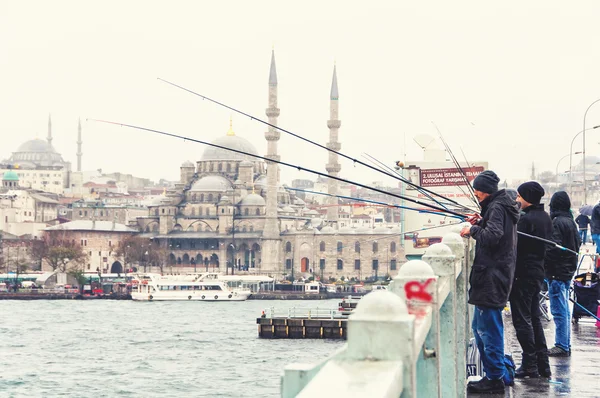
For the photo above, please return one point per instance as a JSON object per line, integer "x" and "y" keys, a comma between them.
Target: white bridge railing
{"x": 304, "y": 313}
{"x": 409, "y": 341}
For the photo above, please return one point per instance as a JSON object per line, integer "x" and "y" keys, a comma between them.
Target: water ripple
{"x": 106, "y": 348}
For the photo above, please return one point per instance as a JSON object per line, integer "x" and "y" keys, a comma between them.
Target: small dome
{"x": 10, "y": 175}
{"x": 233, "y": 142}
{"x": 253, "y": 200}
{"x": 261, "y": 181}
{"x": 288, "y": 209}
{"x": 381, "y": 230}
{"x": 312, "y": 213}
{"x": 225, "y": 199}
{"x": 364, "y": 230}
{"x": 211, "y": 183}
{"x": 187, "y": 163}
{"x": 299, "y": 202}
{"x": 327, "y": 230}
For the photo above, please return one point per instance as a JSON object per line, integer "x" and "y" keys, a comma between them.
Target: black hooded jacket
{"x": 495, "y": 251}
{"x": 595, "y": 222}
{"x": 560, "y": 264}
{"x": 530, "y": 252}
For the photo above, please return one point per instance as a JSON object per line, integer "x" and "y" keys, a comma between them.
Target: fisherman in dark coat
{"x": 495, "y": 233}
{"x": 583, "y": 222}
{"x": 561, "y": 265}
{"x": 529, "y": 277}
{"x": 595, "y": 226}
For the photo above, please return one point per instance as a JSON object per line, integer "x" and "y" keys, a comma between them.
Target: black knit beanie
{"x": 531, "y": 191}
{"x": 487, "y": 181}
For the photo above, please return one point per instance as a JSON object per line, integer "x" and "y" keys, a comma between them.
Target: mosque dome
{"x": 211, "y": 183}
{"x": 288, "y": 209}
{"x": 253, "y": 200}
{"x": 35, "y": 153}
{"x": 10, "y": 175}
{"x": 232, "y": 142}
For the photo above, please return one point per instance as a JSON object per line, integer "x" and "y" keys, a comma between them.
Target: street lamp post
{"x": 560, "y": 160}
{"x": 584, "y": 181}
{"x": 571, "y": 159}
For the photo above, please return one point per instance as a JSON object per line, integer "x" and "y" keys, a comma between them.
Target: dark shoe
{"x": 529, "y": 372}
{"x": 477, "y": 381}
{"x": 487, "y": 386}
{"x": 545, "y": 373}
{"x": 558, "y": 352}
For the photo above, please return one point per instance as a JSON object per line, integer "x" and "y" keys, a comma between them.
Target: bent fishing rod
{"x": 372, "y": 201}
{"x": 297, "y": 167}
{"x": 420, "y": 189}
{"x": 306, "y": 140}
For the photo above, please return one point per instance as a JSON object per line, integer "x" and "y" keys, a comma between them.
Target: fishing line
{"x": 297, "y": 167}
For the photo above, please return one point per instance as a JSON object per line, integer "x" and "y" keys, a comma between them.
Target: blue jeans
{"x": 488, "y": 330}
{"x": 558, "y": 292}
{"x": 596, "y": 239}
{"x": 583, "y": 234}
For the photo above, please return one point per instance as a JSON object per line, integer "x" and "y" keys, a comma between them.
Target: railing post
{"x": 442, "y": 260}
{"x": 456, "y": 244}
{"x": 416, "y": 283}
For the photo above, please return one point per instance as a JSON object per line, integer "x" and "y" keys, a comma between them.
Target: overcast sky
{"x": 508, "y": 82}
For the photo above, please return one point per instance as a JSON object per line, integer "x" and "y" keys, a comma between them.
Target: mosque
{"x": 39, "y": 166}
{"x": 230, "y": 211}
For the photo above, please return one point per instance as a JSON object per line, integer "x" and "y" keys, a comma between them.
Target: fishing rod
{"x": 294, "y": 135}
{"x": 458, "y": 166}
{"x": 369, "y": 201}
{"x": 297, "y": 167}
{"x": 422, "y": 190}
{"x": 549, "y": 242}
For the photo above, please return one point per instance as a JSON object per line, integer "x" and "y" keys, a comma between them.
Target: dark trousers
{"x": 526, "y": 317}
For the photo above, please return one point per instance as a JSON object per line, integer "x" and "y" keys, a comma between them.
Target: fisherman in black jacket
{"x": 495, "y": 233}
{"x": 560, "y": 268}
{"x": 529, "y": 277}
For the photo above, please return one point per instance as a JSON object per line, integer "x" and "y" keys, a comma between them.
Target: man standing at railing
{"x": 529, "y": 277}
{"x": 495, "y": 234}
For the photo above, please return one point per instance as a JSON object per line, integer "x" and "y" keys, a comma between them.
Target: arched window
{"x": 246, "y": 211}
{"x": 244, "y": 228}
{"x": 257, "y": 211}
{"x": 194, "y": 197}
{"x": 210, "y": 168}
{"x": 251, "y": 228}
{"x": 228, "y": 167}
{"x": 220, "y": 167}
{"x": 393, "y": 265}
{"x": 193, "y": 211}
{"x": 375, "y": 247}
{"x": 340, "y": 247}
{"x": 199, "y": 211}
{"x": 357, "y": 247}
{"x": 163, "y": 211}
{"x": 393, "y": 247}
{"x": 210, "y": 197}
{"x": 222, "y": 210}
{"x": 288, "y": 247}
{"x": 340, "y": 264}
{"x": 201, "y": 197}
{"x": 322, "y": 246}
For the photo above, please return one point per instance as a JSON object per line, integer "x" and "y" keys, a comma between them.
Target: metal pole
{"x": 584, "y": 175}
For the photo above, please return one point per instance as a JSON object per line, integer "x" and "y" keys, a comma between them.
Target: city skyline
{"x": 503, "y": 96}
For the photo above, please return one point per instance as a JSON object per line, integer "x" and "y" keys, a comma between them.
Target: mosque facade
{"x": 230, "y": 210}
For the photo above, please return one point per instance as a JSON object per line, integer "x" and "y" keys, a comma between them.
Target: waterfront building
{"x": 231, "y": 211}
{"x": 99, "y": 239}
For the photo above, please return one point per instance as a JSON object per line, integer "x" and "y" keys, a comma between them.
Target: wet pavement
{"x": 577, "y": 375}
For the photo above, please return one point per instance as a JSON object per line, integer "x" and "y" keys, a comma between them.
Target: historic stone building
{"x": 230, "y": 210}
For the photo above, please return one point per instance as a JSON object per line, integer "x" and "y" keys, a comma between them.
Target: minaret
{"x": 333, "y": 167}
{"x": 79, "y": 142}
{"x": 271, "y": 244}
{"x": 533, "y": 171}
{"x": 49, "y": 138}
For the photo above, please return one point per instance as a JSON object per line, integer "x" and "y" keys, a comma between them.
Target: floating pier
{"x": 302, "y": 323}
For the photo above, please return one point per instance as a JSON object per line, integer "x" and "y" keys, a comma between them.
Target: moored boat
{"x": 154, "y": 287}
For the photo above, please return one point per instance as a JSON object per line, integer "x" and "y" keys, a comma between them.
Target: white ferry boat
{"x": 154, "y": 287}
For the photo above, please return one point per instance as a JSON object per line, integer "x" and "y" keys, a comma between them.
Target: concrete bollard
{"x": 379, "y": 318}
{"x": 456, "y": 244}
{"x": 416, "y": 283}
{"x": 441, "y": 259}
